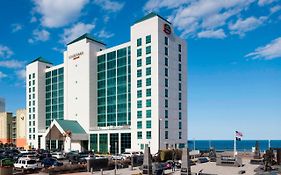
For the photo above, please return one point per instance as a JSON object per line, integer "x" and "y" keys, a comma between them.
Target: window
{"x": 148, "y": 39}
{"x": 139, "y": 114}
{"x": 148, "y": 103}
{"x": 166, "y": 135}
{"x": 180, "y": 125}
{"x": 166, "y": 40}
{"x": 179, "y": 77}
{"x": 166, "y": 113}
{"x": 179, "y": 67}
{"x": 148, "y": 60}
{"x": 166, "y": 103}
{"x": 179, "y": 96}
{"x": 179, "y": 86}
{"x": 180, "y": 135}
{"x": 148, "y": 113}
{"x": 148, "y": 71}
{"x": 139, "y": 83}
{"x": 148, "y": 134}
{"x": 166, "y": 51}
{"x": 166, "y": 124}
{"x": 179, "y": 106}
{"x": 166, "y": 72}
{"x": 148, "y": 50}
{"x": 33, "y": 75}
{"x": 139, "y": 63}
{"x": 179, "y": 47}
{"x": 139, "y": 135}
{"x": 179, "y": 57}
{"x": 139, "y": 52}
{"x": 166, "y": 93}
{"x": 166, "y": 61}
{"x": 148, "y": 92}
{"x": 29, "y": 83}
{"x": 180, "y": 115}
{"x": 33, "y": 82}
{"x": 139, "y": 73}
{"x": 148, "y": 124}
{"x": 139, "y": 42}
{"x": 166, "y": 82}
{"x": 139, "y": 93}
{"x": 148, "y": 82}
{"x": 139, "y": 104}
{"x": 139, "y": 124}
{"x": 29, "y": 76}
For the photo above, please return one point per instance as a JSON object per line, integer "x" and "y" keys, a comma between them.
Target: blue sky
{"x": 234, "y": 53}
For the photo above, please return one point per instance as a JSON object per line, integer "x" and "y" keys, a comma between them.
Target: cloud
{"x": 155, "y": 5}
{"x": 75, "y": 31}
{"x": 241, "y": 26}
{"x": 2, "y": 75}
{"x": 16, "y": 27}
{"x": 265, "y": 2}
{"x": 275, "y": 9}
{"x": 109, "y": 5}
{"x": 104, "y": 34}
{"x": 58, "y": 13}
{"x": 39, "y": 35}
{"x": 218, "y": 34}
{"x": 14, "y": 64}
{"x": 21, "y": 74}
{"x": 267, "y": 52}
{"x": 5, "y": 52}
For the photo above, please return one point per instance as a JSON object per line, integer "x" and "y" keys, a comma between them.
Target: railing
{"x": 110, "y": 128}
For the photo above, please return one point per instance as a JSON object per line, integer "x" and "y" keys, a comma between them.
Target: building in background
{"x": 14, "y": 130}
{"x": 108, "y": 99}
{"x": 6, "y": 119}
{"x": 2, "y": 104}
{"x": 20, "y": 119}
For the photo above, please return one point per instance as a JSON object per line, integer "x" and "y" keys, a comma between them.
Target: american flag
{"x": 239, "y": 135}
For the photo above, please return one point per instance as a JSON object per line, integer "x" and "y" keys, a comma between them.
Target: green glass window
{"x": 139, "y": 93}
{"x": 148, "y": 113}
{"x": 166, "y": 124}
{"x": 166, "y": 114}
{"x": 121, "y": 53}
{"x": 139, "y": 83}
{"x": 166, "y": 40}
{"x": 139, "y": 42}
{"x": 148, "y": 60}
{"x": 139, "y": 63}
{"x": 148, "y": 103}
{"x": 166, "y": 61}
{"x": 166, "y": 135}
{"x": 139, "y": 52}
{"x": 148, "y": 50}
{"x": 180, "y": 125}
{"x": 139, "y": 124}
{"x": 166, "y": 103}
{"x": 139, "y": 73}
{"x": 148, "y": 71}
{"x": 148, "y": 82}
{"x": 103, "y": 143}
{"x": 60, "y": 71}
{"x": 166, "y": 51}
{"x": 148, "y": 134}
{"x": 148, "y": 124}
{"x": 94, "y": 142}
{"x": 166, "y": 82}
{"x": 139, "y": 114}
{"x": 179, "y": 47}
{"x": 180, "y": 115}
{"x": 139, "y": 104}
{"x": 166, "y": 93}
{"x": 139, "y": 135}
{"x": 148, "y": 92}
{"x": 166, "y": 72}
{"x": 148, "y": 39}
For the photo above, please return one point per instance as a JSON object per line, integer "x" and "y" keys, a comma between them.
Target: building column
{"x": 119, "y": 143}
{"x": 98, "y": 143}
{"x": 43, "y": 142}
{"x": 108, "y": 142}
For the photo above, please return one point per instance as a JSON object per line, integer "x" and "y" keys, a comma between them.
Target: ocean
{"x": 227, "y": 145}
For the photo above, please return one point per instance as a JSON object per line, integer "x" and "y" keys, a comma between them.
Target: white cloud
{"x": 21, "y": 74}
{"x": 154, "y": 5}
{"x": 58, "y": 13}
{"x": 267, "y": 52}
{"x": 16, "y": 27}
{"x": 265, "y": 2}
{"x": 39, "y": 35}
{"x": 218, "y": 34}
{"x": 104, "y": 34}
{"x": 241, "y": 26}
{"x": 109, "y": 5}
{"x": 275, "y": 9}
{"x": 14, "y": 64}
{"x": 2, "y": 75}
{"x": 75, "y": 31}
{"x": 5, "y": 52}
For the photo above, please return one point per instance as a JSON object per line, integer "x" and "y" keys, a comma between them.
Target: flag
{"x": 238, "y": 135}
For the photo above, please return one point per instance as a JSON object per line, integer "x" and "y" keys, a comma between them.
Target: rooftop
{"x": 40, "y": 59}
{"x": 151, "y": 15}
{"x": 87, "y": 36}
{"x": 71, "y": 125}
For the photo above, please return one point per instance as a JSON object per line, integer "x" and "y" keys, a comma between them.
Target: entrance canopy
{"x": 59, "y": 129}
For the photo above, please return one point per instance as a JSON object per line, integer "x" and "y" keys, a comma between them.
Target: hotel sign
{"x": 167, "y": 29}
{"x": 76, "y": 55}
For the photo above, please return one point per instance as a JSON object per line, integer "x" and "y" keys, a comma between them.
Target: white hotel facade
{"x": 102, "y": 98}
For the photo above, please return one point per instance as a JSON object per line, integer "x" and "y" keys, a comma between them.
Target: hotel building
{"x": 108, "y": 99}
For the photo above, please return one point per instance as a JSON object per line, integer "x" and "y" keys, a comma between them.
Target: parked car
{"x": 202, "y": 160}
{"x": 44, "y": 155}
{"x": 118, "y": 157}
{"x": 47, "y": 162}
{"x": 158, "y": 168}
{"x": 26, "y": 163}
{"x": 138, "y": 153}
{"x": 58, "y": 155}
{"x": 70, "y": 154}
{"x": 127, "y": 154}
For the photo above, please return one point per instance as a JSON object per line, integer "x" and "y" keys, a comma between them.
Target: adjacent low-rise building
{"x": 6, "y": 119}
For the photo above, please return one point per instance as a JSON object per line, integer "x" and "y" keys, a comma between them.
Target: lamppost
{"x": 115, "y": 169}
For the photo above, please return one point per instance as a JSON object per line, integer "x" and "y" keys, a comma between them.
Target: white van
{"x": 26, "y": 163}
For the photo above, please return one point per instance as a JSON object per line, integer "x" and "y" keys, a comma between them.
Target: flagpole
{"x": 234, "y": 146}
